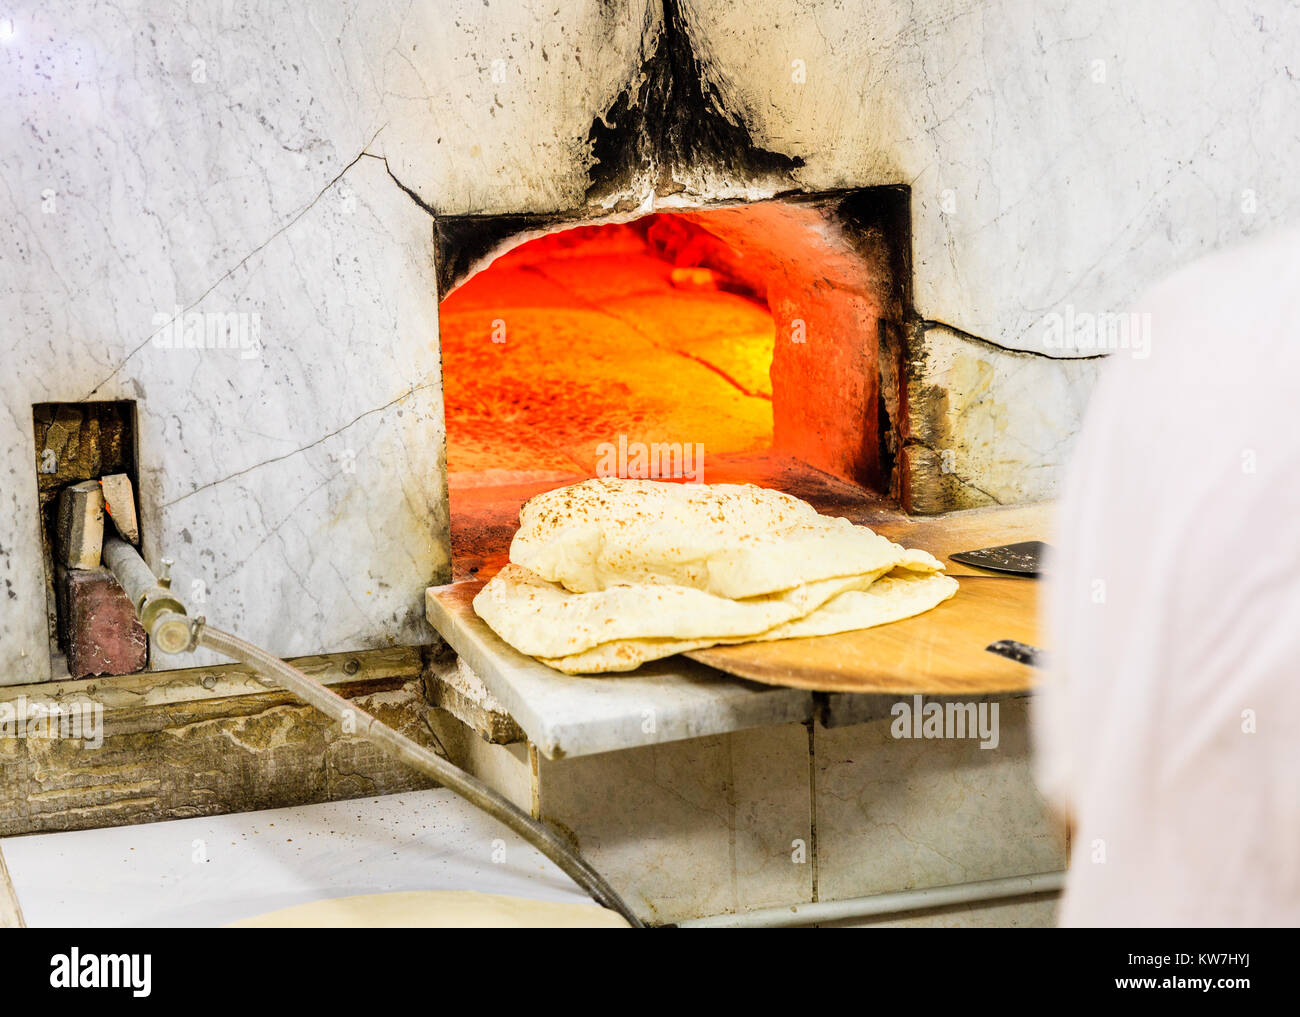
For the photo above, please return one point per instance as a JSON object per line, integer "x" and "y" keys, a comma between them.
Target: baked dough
{"x": 730, "y": 540}
{"x": 901, "y": 594}
{"x": 546, "y": 620}
{"x": 608, "y": 574}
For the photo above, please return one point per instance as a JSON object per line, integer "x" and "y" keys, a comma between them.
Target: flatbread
{"x": 731, "y": 540}
{"x": 608, "y": 574}
{"x": 901, "y": 594}
{"x": 437, "y": 909}
{"x": 543, "y": 619}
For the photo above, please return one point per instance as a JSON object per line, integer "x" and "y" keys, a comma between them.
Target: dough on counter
{"x": 730, "y": 540}
{"x": 436, "y": 909}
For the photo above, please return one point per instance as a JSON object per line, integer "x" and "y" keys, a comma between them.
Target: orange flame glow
{"x": 650, "y": 332}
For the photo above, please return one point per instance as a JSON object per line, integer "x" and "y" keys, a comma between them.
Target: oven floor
{"x": 555, "y": 350}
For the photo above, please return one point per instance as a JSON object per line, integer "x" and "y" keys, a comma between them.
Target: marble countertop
{"x": 565, "y": 715}
{"x": 219, "y": 869}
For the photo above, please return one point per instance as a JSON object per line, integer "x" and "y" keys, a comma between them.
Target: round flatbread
{"x": 730, "y": 540}
{"x": 608, "y": 574}
{"x": 901, "y": 594}
{"x": 544, "y": 619}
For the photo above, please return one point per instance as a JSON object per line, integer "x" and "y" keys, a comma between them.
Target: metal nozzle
{"x": 161, "y": 614}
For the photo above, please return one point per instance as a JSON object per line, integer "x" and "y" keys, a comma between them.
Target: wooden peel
{"x": 941, "y": 652}
{"x": 961, "y": 531}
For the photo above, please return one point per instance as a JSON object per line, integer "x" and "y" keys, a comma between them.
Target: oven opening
{"x": 744, "y": 344}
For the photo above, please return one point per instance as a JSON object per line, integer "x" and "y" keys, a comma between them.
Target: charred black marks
{"x": 671, "y": 116}
{"x": 463, "y": 240}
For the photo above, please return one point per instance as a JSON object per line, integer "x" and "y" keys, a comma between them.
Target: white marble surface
{"x": 693, "y": 828}
{"x": 220, "y": 869}
{"x": 297, "y": 484}
{"x": 747, "y": 820}
{"x": 1003, "y": 433}
{"x": 1058, "y": 154}
{"x": 895, "y": 814}
{"x": 569, "y": 715}
{"x": 210, "y": 157}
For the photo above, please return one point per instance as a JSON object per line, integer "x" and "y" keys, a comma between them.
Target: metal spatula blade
{"x": 1022, "y": 559}
{"x": 1021, "y": 653}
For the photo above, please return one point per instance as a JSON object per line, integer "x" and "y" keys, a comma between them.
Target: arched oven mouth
{"x": 757, "y": 342}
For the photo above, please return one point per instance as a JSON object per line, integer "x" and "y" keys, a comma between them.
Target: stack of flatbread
{"x": 608, "y": 574}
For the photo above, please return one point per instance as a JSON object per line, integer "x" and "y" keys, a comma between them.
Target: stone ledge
{"x": 202, "y": 741}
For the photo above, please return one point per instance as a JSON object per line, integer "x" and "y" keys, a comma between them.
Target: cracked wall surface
{"x": 984, "y": 426}
{"x": 222, "y": 159}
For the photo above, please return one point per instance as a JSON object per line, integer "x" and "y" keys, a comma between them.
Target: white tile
{"x": 897, "y": 814}
{"x": 692, "y": 828}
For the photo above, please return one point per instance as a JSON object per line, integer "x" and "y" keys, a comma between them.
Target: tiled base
{"x": 896, "y": 814}
{"x": 773, "y": 816}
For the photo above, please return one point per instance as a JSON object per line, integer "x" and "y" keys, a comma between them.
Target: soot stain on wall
{"x": 671, "y": 116}
{"x": 463, "y": 241}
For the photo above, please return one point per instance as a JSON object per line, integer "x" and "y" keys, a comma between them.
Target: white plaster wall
{"x": 1033, "y": 185}
{"x": 1000, "y": 431}
{"x": 209, "y": 156}
{"x": 1057, "y": 153}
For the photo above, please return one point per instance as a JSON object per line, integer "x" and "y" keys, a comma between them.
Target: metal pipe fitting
{"x": 162, "y": 615}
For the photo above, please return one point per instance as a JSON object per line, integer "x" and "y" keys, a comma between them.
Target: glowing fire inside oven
{"x": 606, "y": 341}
